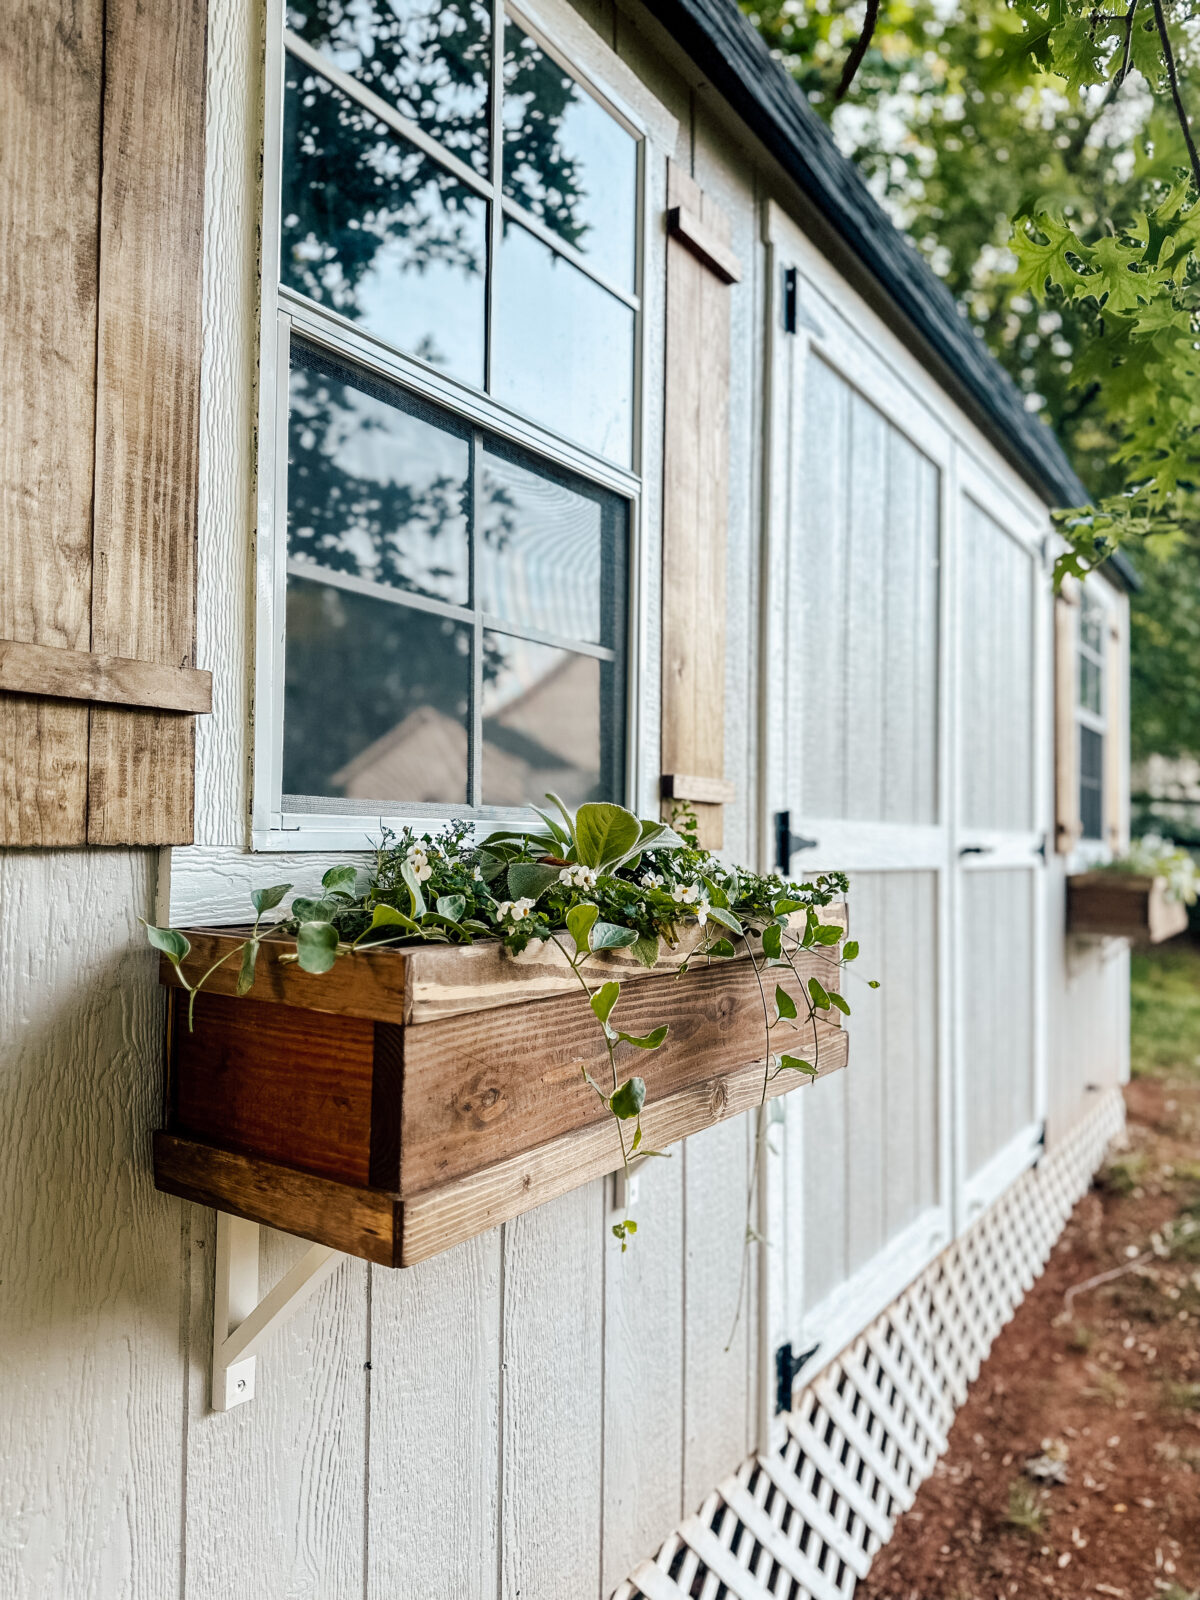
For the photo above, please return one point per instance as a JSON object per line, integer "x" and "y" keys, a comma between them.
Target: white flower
{"x": 651, "y": 880}
{"x": 514, "y": 910}
{"x": 702, "y": 912}
{"x": 685, "y": 894}
{"x": 578, "y": 877}
{"x": 418, "y": 860}
{"x": 477, "y": 875}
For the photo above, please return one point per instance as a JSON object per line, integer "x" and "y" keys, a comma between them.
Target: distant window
{"x": 1090, "y": 715}
{"x": 458, "y": 293}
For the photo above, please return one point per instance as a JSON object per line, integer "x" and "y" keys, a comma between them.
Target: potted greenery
{"x": 1143, "y": 895}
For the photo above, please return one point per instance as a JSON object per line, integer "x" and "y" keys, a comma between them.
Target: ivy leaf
{"x": 819, "y": 997}
{"x": 784, "y": 908}
{"x": 340, "y": 880}
{"x": 415, "y": 897}
{"x": 316, "y": 946}
{"x": 604, "y": 999}
{"x": 646, "y": 949}
{"x": 637, "y": 1139}
{"x": 579, "y": 925}
{"x": 308, "y": 910}
{"x": 827, "y": 933}
{"x": 267, "y": 899}
{"x": 608, "y": 936}
{"x": 872, "y": 983}
{"x": 451, "y": 906}
{"x": 784, "y": 1004}
{"x": 836, "y": 1000}
{"x": 850, "y": 950}
{"x": 627, "y": 1101}
{"x": 772, "y": 941}
{"x": 648, "y": 1041}
{"x": 529, "y": 880}
{"x": 723, "y": 947}
{"x": 170, "y": 941}
{"x": 249, "y": 958}
{"x": 725, "y": 918}
{"x": 794, "y": 1064}
{"x": 605, "y": 834}
{"x": 385, "y": 916}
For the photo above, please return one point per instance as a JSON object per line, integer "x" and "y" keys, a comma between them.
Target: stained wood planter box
{"x": 1123, "y": 905}
{"x": 410, "y": 1099}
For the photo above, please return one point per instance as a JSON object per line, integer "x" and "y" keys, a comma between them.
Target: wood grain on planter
{"x": 451, "y": 1078}
{"x": 1124, "y": 905}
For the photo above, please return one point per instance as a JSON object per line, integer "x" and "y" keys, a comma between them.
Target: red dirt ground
{"x": 1101, "y": 1388}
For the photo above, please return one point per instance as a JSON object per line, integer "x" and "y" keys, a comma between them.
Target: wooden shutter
{"x": 101, "y": 217}
{"x": 1068, "y": 825}
{"x": 700, "y": 269}
{"x": 1116, "y": 800}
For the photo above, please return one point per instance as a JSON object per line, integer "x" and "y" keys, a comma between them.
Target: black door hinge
{"x": 787, "y": 1369}
{"x": 791, "y": 291}
{"x": 787, "y": 842}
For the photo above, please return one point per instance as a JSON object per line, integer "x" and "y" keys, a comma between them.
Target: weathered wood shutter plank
{"x": 51, "y": 76}
{"x": 1116, "y": 808}
{"x": 696, "y": 491}
{"x": 147, "y": 407}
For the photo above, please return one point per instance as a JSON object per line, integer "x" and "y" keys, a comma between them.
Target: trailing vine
{"x": 599, "y": 879}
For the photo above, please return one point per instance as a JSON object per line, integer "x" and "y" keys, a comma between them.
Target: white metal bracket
{"x": 241, "y": 1321}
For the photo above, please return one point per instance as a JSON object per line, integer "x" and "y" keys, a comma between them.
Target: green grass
{"x": 1165, "y": 1011}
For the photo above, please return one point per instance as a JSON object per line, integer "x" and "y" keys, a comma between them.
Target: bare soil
{"x": 1073, "y": 1470}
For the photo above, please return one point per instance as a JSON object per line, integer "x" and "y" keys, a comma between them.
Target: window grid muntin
{"x": 472, "y": 615}
{"x": 1090, "y": 722}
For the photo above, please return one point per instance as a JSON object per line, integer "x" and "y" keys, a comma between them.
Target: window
{"x": 1089, "y": 714}
{"x": 455, "y": 487}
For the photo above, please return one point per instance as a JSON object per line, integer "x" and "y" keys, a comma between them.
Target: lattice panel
{"x": 805, "y": 1524}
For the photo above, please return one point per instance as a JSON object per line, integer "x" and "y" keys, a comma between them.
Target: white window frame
{"x": 1096, "y": 721}
{"x": 285, "y": 314}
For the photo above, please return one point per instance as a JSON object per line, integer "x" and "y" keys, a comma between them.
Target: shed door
{"x": 854, "y": 740}
{"x": 1000, "y": 839}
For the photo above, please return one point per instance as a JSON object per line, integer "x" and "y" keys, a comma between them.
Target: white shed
{"x": 495, "y": 397}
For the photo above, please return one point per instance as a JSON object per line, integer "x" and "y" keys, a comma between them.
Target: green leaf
{"x": 723, "y": 947}
{"x": 794, "y": 1064}
{"x": 646, "y": 949}
{"x": 607, "y": 936}
{"x": 627, "y": 1101}
{"x": 637, "y": 1139}
{"x": 340, "y": 880}
{"x": 605, "y": 834}
{"x": 568, "y": 819}
{"x": 385, "y": 916}
{"x": 307, "y": 910}
{"x": 659, "y": 836}
{"x": 528, "y": 880}
{"x": 836, "y": 1000}
{"x": 451, "y": 906}
{"x": 725, "y": 918}
{"x": 604, "y": 999}
{"x": 772, "y": 941}
{"x": 415, "y": 897}
{"x": 648, "y": 1041}
{"x": 819, "y": 997}
{"x": 784, "y": 908}
{"x": 267, "y": 899}
{"x": 784, "y": 1003}
{"x": 850, "y": 950}
{"x": 249, "y": 957}
{"x": 827, "y": 933}
{"x": 556, "y": 828}
{"x": 716, "y": 894}
{"x": 316, "y": 946}
{"x": 490, "y": 865}
{"x": 872, "y": 983}
{"x": 170, "y": 941}
{"x": 579, "y": 925}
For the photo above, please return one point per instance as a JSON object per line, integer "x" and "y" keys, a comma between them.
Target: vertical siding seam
{"x": 185, "y": 1346}
{"x": 367, "y": 1376}
{"x": 683, "y": 1320}
{"x": 603, "y": 1397}
{"x": 500, "y": 1396}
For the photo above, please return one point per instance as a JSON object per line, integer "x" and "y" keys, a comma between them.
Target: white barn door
{"x": 1001, "y": 841}
{"x": 854, "y": 740}
{"x": 902, "y": 595}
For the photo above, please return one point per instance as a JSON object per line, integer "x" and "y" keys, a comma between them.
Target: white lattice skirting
{"x": 805, "y": 1524}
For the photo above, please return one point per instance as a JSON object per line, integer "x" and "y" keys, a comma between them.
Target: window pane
{"x": 563, "y": 347}
{"x": 549, "y": 722}
{"x": 1091, "y": 624}
{"x": 428, "y": 58}
{"x": 380, "y": 233}
{"x": 567, "y": 160}
{"x": 1089, "y": 684}
{"x": 1091, "y": 781}
{"x": 551, "y": 552}
{"x": 376, "y": 486}
{"x": 376, "y": 699}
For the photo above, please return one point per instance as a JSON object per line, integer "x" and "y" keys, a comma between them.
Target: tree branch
{"x": 1173, "y": 79}
{"x": 861, "y": 45}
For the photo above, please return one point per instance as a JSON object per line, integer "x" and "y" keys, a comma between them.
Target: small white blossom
{"x": 477, "y": 875}
{"x": 419, "y": 862}
{"x": 702, "y": 912}
{"x": 514, "y": 910}
{"x": 578, "y": 877}
{"x": 651, "y": 880}
{"x": 685, "y": 894}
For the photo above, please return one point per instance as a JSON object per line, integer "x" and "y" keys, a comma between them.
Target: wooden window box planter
{"x": 412, "y": 1098}
{"x": 1123, "y": 905}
